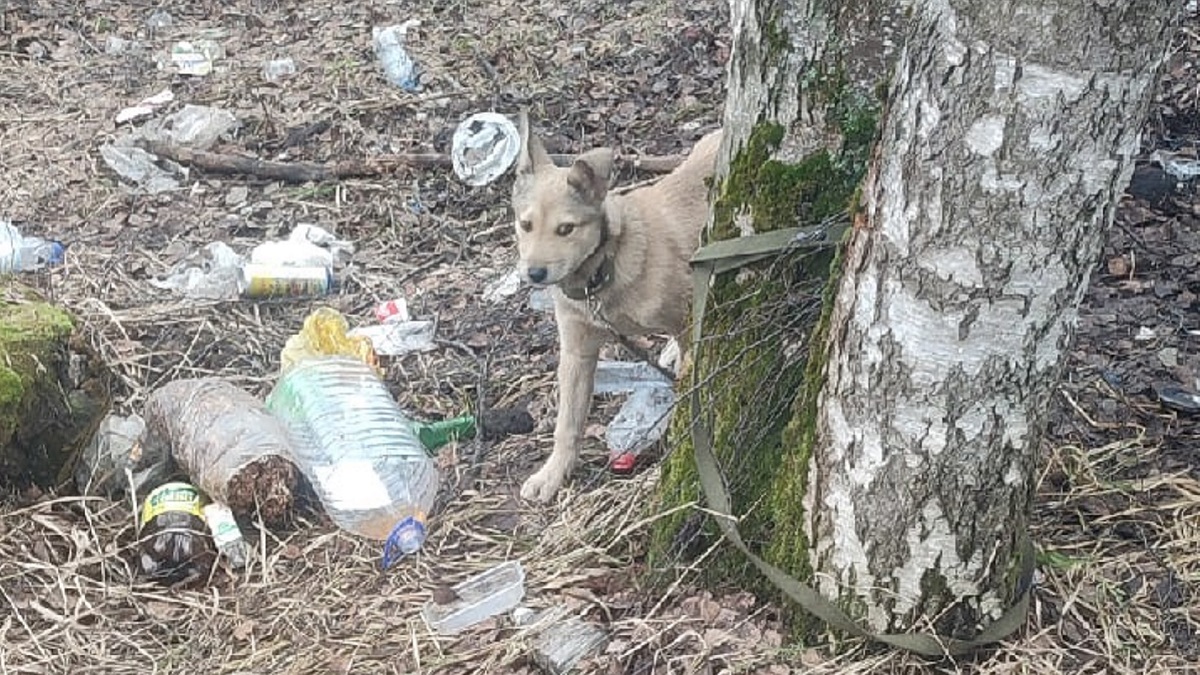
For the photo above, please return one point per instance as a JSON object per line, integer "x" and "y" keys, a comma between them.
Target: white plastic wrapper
{"x": 644, "y": 417}
{"x": 641, "y": 421}
{"x": 484, "y": 146}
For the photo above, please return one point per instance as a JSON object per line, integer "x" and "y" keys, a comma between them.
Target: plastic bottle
{"x": 398, "y": 67}
{"x": 358, "y": 450}
{"x": 174, "y": 543}
{"x": 26, "y": 254}
{"x": 226, "y": 534}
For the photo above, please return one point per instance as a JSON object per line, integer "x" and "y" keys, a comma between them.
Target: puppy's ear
{"x": 532, "y": 156}
{"x": 590, "y": 174}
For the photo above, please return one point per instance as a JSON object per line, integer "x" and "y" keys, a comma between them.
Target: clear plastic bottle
{"x": 398, "y": 67}
{"x": 358, "y": 450}
{"x": 25, "y": 254}
{"x": 226, "y": 534}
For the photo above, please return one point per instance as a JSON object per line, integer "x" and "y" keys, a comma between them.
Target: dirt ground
{"x": 1118, "y": 514}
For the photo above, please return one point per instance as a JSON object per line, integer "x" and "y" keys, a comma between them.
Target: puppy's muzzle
{"x": 537, "y": 274}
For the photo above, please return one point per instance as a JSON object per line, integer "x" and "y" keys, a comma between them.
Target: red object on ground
{"x": 623, "y": 463}
{"x": 386, "y": 310}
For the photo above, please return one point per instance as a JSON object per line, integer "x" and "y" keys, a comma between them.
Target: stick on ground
{"x": 303, "y": 172}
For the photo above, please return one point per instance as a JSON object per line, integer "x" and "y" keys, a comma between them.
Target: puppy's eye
{"x": 526, "y": 225}
{"x": 565, "y": 228}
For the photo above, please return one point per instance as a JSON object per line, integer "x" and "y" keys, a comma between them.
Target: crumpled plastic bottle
{"x": 398, "y": 67}
{"x": 19, "y": 253}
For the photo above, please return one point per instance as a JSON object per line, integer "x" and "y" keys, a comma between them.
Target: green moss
{"x": 789, "y": 548}
{"x": 11, "y": 388}
{"x": 779, "y": 194}
{"x": 32, "y": 321}
{"x": 745, "y": 371}
{"x": 776, "y": 41}
{"x": 740, "y": 190}
{"x": 26, "y": 327}
{"x": 789, "y": 545}
{"x": 766, "y": 461}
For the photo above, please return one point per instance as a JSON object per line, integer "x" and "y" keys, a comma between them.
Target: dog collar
{"x": 602, "y": 274}
{"x": 599, "y": 279}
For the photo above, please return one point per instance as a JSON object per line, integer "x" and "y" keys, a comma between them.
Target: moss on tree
{"x": 749, "y": 367}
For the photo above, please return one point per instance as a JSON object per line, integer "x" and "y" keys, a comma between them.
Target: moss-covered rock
{"x": 53, "y": 391}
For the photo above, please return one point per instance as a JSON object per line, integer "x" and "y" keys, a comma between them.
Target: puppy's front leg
{"x": 579, "y": 348}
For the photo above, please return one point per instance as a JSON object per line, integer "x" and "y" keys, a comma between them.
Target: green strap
{"x": 728, "y": 255}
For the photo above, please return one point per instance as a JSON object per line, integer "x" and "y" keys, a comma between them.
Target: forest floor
{"x": 1118, "y": 510}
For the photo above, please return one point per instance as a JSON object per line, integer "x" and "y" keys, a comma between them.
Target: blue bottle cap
{"x": 57, "y": 251}
{"x": 406, "y": 538}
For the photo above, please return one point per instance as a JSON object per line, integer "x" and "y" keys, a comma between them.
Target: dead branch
{"x": 302, "y": 172}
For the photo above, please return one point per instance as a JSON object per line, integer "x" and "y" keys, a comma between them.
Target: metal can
{"x": 274, "y": 281}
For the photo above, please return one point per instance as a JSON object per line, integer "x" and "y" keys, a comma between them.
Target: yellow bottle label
{"x": 172, "y": 497}
{"x": 265, "y": 281}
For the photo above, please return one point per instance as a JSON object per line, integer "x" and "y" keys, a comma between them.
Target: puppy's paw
{"x": 543, "y": 485}
{"x": 671, "y": 357}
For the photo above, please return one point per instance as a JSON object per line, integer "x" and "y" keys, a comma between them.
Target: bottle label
{"x": 170, "y": 497}
{"x": 263, "y": 281}
{"x": 352, "y": 485}
{"x": 221, "y": 524}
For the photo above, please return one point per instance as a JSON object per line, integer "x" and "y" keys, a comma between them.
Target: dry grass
{"x": 1119, "y": 578}
{"x": 1115, "y": 591}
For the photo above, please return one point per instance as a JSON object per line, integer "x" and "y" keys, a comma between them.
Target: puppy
{"x": 616, "y": 265}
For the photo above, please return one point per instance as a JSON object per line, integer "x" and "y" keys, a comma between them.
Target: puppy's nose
{"x": 537, "y": 274}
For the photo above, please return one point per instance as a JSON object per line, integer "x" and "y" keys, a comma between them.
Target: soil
{"x": 1115, "y": 519}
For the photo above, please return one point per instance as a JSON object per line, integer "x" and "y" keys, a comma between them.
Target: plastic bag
{"x": 199, "y": 126}
{"x": 213, "y": 273}
{"x": 325, "y": 333}
{"x": 116, "y": 455}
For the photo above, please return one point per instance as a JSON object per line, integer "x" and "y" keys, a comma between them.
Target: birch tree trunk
{"x": 904, "y": 475}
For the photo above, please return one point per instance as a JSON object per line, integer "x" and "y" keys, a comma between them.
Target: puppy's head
{"x": 559, "y": 212}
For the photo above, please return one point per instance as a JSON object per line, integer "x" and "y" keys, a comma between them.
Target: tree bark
{"x": 903, "y": 477}
{"x": 1004, "y": 152}
{"x": 801, "y": 117}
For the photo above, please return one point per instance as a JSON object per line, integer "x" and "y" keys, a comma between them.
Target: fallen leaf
{"x": 163, "y": 611}
{"x": 244, "y": 630}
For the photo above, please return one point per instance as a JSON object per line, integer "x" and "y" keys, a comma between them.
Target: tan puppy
{"x": 616, "y": 264}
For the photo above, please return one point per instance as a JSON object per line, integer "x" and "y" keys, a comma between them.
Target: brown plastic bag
{"x": 231, "y": 447}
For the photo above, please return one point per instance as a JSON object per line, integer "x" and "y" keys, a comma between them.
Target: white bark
{"x": 766, "y": 86}
{"x": 1010, "y": 132}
